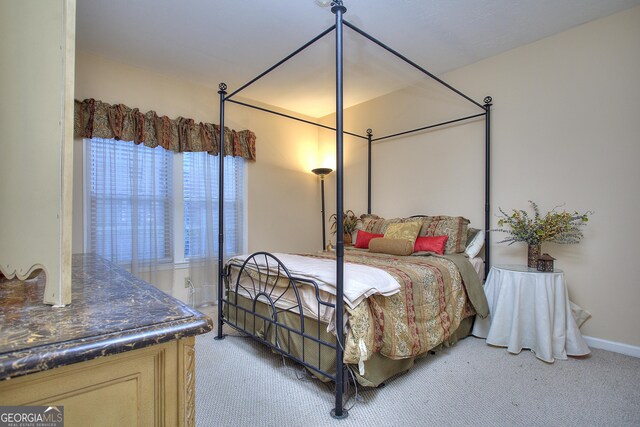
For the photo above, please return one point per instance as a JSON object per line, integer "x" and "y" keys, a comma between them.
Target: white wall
{"x": 565, "y": 129}
{"x": 283, "y": 195}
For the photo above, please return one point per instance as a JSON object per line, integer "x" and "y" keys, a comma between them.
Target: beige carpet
{"x": 241, "y": 383}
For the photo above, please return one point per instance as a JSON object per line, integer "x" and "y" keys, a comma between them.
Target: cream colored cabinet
{"x": 152, "y": 386}
{"x": 37, "y": 57}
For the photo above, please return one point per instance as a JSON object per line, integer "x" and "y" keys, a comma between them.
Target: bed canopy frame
{"x": 338, "y": 9}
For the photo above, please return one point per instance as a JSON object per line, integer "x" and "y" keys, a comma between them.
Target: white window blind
{"x": 131, "y": 203}
{"x": 200, "y": 177}
{"x": 130, "y": 207}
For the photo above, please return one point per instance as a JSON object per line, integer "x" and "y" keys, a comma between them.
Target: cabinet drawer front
{"x": 136, "y": 388}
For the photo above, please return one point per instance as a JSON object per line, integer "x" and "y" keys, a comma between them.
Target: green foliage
{"x": 349, "y": 222}
{"x": 558, "y": 227}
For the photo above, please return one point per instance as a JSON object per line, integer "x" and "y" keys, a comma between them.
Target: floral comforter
{"x": 428, "y": 309}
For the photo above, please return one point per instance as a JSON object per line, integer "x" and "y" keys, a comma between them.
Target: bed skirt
{"x": 377, "y": 369}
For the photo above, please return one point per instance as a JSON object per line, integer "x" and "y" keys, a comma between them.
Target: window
{"x": 201, "y": 203}
{"x": 129, "y": 204}
{"x": 133, "y": 210}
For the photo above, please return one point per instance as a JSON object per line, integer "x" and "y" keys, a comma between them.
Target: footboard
{"x": 289, "y": 314}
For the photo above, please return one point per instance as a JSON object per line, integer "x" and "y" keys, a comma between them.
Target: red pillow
{"x": 430, "y": 244}
{"x": 363, "y": 238}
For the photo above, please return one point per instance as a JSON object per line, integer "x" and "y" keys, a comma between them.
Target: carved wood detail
{"x": 189, "y": 375}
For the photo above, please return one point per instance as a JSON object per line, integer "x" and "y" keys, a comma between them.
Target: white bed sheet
{"x": 360, "y": 281}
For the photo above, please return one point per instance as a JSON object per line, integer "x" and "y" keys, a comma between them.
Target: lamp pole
{"x": 322, "y": 172}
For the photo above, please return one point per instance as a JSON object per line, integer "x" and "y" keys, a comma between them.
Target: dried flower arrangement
{"x": 555, "y": 226}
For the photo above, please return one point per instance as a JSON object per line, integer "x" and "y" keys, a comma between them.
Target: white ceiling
{"x": 205, "y": 41}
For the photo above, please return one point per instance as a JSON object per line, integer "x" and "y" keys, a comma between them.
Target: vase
{"x": 533, "y": 254}
{"x": 347, "y": 239}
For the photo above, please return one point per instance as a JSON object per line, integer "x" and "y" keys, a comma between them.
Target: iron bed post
{"x": 339, "y": 412}
{"x": 222, "y": 93}
{"x": 487, "y": 186}
{"x": 369, "y": 136}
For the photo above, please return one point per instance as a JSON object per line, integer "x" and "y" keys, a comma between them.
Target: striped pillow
{"x": 455, "y": 227}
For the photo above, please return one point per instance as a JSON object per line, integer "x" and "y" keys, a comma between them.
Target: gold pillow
{"x": 404, "y": 230}
{"x": 384, "y": 245}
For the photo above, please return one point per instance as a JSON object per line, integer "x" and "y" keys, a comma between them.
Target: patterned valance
{"x": 101, "y": 120}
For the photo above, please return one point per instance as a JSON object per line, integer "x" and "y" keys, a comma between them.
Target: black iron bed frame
{"x": 263, "y": 279}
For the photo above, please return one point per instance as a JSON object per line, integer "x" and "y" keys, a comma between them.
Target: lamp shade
{"x": 322, "y": 171}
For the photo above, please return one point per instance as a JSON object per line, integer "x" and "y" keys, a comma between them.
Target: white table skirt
{"x": 530, "y": 309}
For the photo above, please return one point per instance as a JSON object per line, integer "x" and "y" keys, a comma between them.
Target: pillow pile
{"x": 438, "y": 234}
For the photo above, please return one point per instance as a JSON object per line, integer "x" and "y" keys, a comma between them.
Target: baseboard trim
{"x": 616, "y": 347}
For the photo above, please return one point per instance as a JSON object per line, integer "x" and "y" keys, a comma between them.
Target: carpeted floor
{"x": 241, "y": 383}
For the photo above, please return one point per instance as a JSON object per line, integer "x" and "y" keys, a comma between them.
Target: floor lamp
{"x": 322, "y": 172}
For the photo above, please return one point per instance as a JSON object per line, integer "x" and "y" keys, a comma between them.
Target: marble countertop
{"x": 111, "y": 312}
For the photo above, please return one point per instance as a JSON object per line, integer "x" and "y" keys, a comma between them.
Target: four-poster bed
{"x": 260, "y": 296}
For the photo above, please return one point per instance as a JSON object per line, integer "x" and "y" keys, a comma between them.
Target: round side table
{"x": 530, "y": 309}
